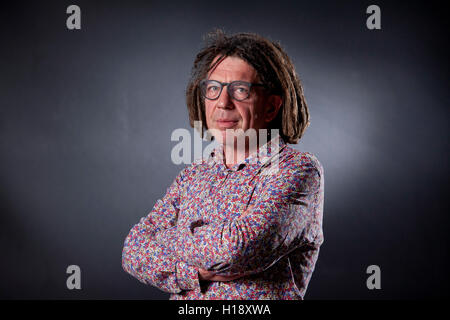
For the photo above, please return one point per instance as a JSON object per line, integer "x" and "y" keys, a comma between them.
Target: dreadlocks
{"x": 274, "y": 67}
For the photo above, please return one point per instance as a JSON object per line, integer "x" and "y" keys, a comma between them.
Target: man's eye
{"x": 241, "y": 89}
{"x": 213, "y": 88}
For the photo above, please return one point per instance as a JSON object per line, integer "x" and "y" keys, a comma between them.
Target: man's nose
{"x": 224, "y": 100}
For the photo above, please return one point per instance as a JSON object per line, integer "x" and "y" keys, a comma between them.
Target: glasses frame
{"x": 227, "y": 84}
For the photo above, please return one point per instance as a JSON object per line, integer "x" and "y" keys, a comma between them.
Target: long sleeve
{"x": 154, "y": 263}
{"x": 287, "y": 215}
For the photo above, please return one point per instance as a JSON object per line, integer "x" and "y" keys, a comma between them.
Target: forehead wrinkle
{"x": 245, "y": 72}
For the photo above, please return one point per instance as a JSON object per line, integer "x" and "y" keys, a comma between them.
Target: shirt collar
{"x": 257, "y": 159}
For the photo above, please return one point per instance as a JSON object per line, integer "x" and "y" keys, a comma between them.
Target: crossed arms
{"x": 167, "y": 255}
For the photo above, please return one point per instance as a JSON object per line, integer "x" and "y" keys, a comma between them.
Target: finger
{"x": 225, "y": 278}
{"x": 249, "y": 208}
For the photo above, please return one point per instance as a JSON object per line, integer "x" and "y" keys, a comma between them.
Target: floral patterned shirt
{"x": 262, "y": 218}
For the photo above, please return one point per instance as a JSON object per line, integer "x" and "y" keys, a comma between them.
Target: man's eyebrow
{"x": 251, "y": 81}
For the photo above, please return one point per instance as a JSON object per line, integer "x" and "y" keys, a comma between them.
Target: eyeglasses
{"x": 238, "y": 90}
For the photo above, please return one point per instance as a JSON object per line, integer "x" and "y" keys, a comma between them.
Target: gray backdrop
{"x": 86, "y": 118}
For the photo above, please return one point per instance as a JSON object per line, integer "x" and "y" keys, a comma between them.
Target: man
{"x": 245, "y": 223}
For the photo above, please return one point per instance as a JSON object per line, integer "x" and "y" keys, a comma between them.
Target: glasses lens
{"x": 211, "y": 89}
{"x": 240, "y": 90}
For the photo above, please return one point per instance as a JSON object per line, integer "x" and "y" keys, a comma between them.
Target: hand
{"x": 249, "y": 208}
{"x": 211, "y": 276}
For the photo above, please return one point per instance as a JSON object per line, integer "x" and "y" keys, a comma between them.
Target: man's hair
{"x": 274, "y": 68}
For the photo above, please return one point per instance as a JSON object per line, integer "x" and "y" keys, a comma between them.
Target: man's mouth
{"x": 226, "y": 123}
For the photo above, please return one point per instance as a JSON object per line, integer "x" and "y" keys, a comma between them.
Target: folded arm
{"x": 155, "y": 263}
{"x": 286, "y": 216}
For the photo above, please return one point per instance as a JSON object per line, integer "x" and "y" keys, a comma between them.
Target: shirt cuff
{"x": 168, "y": 236}
{"x": 187, "y": 276}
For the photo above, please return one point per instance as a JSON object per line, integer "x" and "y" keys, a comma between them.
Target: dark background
{"x": 86, "y": 118}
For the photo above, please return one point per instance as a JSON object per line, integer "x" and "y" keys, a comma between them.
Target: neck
{"x": 233, "y": 155}
{"x": 236, "y": 152}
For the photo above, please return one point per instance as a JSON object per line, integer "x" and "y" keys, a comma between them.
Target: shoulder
{"x": 292, "y": 160}
{"x": 191, "y": 170}
{"x": 297, "y": 171}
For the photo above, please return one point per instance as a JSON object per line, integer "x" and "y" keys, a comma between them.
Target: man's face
{"x": 255, "y": 112}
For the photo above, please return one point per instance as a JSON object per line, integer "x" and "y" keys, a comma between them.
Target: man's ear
{"x": 273, "y": 107}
